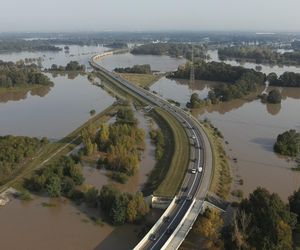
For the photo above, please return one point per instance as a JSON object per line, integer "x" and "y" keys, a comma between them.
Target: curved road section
{"x": 197, "y": 180}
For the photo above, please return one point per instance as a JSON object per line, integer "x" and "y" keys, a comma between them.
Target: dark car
{"x": 153, "y": 237}
{"x": 169, "y": 231}
{"x": 166, "y": 219}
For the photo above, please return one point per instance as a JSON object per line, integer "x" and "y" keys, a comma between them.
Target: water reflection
{"x": 22, "y": 94}
{"x": 59, "y": 112}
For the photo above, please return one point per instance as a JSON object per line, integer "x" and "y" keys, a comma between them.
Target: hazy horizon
{"x": 139, "y": 15}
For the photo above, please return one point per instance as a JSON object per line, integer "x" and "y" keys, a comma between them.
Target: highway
{"x": 193, "y": 179}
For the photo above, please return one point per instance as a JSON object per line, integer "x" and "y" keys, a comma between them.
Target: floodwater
{"x": 251, "y": 128}
{"x": 181, "y": 90}
{"x": 69, "y": 226}
{"x": 157, "y": 63}
{"x": 52, "y": 112}
{"x": 267, "y": 69}
{"x": 64, "y": 226}
{"x": 81, "y": 54}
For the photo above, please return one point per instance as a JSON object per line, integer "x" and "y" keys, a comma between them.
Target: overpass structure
{"x": 172, "y": 227}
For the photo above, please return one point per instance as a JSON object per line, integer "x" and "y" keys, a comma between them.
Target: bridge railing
{"x": 156, "y": 226}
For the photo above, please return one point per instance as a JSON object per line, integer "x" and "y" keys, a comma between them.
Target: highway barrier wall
{"x": 156, "y": 226}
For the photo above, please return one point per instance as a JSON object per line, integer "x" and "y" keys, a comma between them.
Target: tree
{"x": 294, "y": 202}
{"x": 54, "y": 186}
{"x": 91, "y": 197}
{"x": 209, "y": 226}
{"x": 270, "y": 224}
{"x": 288, "y": 143}
{"x": 274, "y": 96}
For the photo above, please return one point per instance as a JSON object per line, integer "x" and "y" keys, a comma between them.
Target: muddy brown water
{"x": 251, "y": 128}
{"x": 68, "y": 226}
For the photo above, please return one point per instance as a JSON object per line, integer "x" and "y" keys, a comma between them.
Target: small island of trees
{"x": 273, "y": 97}
{"x": 19, "y": 75}
{"x": 71, "y": 66}
{"x": 237, "y": 81}
{"x": 288, "y": 143}
{"x": 119, "y": 144}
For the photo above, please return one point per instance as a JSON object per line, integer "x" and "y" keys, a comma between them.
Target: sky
{"x": 149, "y": 15}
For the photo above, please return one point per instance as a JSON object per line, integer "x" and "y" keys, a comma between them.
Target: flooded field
{"x": 157, "y": 63}
{"x": 81, "y": 54}
{"x": 63, "y": 226}
{"x": 52, "y": 112}
{"x": 251, "y": 128}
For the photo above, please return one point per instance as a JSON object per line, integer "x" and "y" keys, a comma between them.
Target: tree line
{"x": 136, "y": 69}
{"x": 18, "y": 45}
{"x": 15, "y": 150}
{"x": 18, "y": 74}
{"x": 287, "y": 79}
{"x": 171, "y": 49}
{"x": 259, "y": 54}
{"x": 158, "y": 139}
{"x": 262, "y": 221}
{"x": 71, "y": 66}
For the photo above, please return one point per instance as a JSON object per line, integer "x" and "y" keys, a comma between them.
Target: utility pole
{"x": 192, "y": 72}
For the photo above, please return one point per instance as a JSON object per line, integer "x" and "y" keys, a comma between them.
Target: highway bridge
{"x": 173, "y": 226}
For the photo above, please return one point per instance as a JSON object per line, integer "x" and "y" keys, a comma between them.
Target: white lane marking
{"x": 141, "y": 92}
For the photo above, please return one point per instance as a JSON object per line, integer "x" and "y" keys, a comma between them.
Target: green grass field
{"x": 142, "y": 80}
{"x": 171, "y": 172}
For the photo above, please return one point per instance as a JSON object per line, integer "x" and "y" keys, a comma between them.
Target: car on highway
{"x": 166, "y": 219}
{"x": 200, "y": 169}
{"x": 153, "y": 237}
{"x": 169, "y": 231}
{"x": 193, "y": 171}
{"x": 194, "y": 137}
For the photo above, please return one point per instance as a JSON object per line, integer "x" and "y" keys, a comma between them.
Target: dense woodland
{"x": 119, "y": 143}
{"x": 122, "y": 207}
{"x": 136, "y": 69}
{"x": 287, "y": 79}
{"x": 237, "y": 81}
{"x": 263, "y": 221}
{"x": 14, "y": 151}
{"x": 288, "y": 143}
{"x": 17, "y": 45}
{"x": 259, "y": 54}
{"x": 171, "y": 49}
{"x": 71, "y": 66}
{"x": 14, "y": 75}
{"x": 59, "y": 178}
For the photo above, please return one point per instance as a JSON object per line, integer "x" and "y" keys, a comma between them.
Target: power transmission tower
{"x": 192, "y": 72}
